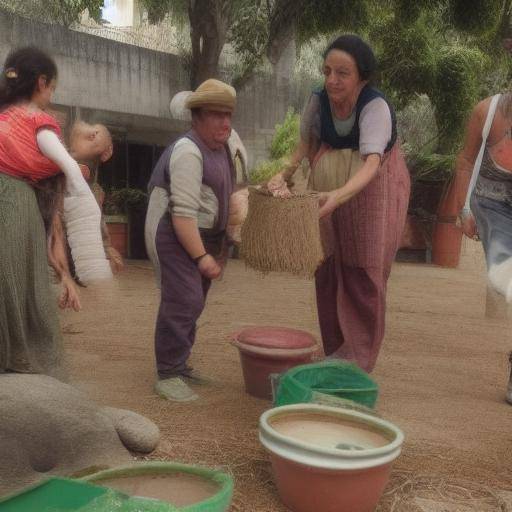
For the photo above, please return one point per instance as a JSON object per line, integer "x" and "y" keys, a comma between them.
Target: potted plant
{"x": 120, "y": 204}
{"x": 431, "y": 175}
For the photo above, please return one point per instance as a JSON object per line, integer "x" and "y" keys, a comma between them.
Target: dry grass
{"x": 408, "y": 491}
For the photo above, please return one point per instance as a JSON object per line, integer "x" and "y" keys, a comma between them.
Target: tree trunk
{"x": 283, "y": 62}
{"x": 209, "y": 23}
{"x": 282, "y": 29}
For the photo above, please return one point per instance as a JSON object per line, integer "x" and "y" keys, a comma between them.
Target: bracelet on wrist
{"x": 462, "y": 216}
{"x": 199, "y": 258}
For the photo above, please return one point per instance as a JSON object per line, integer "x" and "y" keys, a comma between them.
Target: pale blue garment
{"x": 491, "y": 205}
{"x": 494, "y": 223}
{"x": 344, "y": 126}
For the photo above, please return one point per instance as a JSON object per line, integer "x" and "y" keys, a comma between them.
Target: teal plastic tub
{"x": 218, "y": 502}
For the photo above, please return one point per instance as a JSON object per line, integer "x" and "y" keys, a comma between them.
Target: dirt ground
{"x": 442, "y": 374}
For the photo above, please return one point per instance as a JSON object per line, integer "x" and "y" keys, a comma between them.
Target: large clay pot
{"x": 329, "y": 459}
{"x": 271, "y": 350}
{"x": 117, "y": 226}
{"x": 447, "y": 236}
{"x": 446, "y": 243}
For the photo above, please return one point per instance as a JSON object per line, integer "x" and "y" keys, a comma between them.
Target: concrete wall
{"x": 129, "y": 88}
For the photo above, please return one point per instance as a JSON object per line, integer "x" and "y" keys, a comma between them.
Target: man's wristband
{"x": 199, "y": 258}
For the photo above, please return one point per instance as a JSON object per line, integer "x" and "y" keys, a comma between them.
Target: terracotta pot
{"x": 118, "y": 232}
{"x": 447, "y": 237}
{"x": 413, "y": 236}
{"x": 329, "y": 459}
{"x": 446, "y": 244}
{"x": 267, "y": 350}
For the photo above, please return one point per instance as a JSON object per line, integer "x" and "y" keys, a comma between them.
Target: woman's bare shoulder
{"x": 481, "y": 108}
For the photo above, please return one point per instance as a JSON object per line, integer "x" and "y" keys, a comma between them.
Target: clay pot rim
{"x": 235, "y": 336}
{"x": 309, "y": 454}
{"x": 274, "y": 353}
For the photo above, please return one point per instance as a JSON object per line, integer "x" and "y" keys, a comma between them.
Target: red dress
{"x": 20, "y": 155}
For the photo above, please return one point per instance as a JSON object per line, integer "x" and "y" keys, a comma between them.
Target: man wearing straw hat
{"x": 186, "y": 230}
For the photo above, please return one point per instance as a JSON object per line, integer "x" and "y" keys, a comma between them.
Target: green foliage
{"x": 63, "y": 12}
{"x": 284, "y": 142}
{"x": 249, "y": 37}
{"x": 125, "y": 200}
{"x": 286, "y": 136}
{"x": 320, "y": 17}
{"x": 407, "y": 58}
{"x": 417, "y": 127}
{"x": 427, "y": 166}
{"x": 265, "y": 170}
{"x": 158, "y": 9}
{"x": 456, "y": 91}
{"x": 407, "y": 12}
{"x": 476, "y": 16}
{"x": 449, "y": 50}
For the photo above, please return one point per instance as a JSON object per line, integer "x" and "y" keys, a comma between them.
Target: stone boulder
{"x": 50, "y": 428}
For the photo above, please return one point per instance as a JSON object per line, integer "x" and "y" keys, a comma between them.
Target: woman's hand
{"x": 468, "y": 224}
{"x": 277, "y": 181}
{"x": 278, "y": 187}
{"x": 116, "y": 260}
{"x": 69, "y": 298}
{"x": 209, "y": 268}
{"x": 328, "y": 201}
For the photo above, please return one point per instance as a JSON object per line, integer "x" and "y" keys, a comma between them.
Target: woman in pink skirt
{"x": 348, "y": 132}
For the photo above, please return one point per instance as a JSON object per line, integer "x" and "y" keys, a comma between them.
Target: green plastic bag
{"x": 336, "y": 378}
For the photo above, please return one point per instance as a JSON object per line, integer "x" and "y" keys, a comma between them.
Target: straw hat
{"x": 213, "y": 94}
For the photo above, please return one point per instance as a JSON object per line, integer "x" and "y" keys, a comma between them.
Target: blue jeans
{"x": 494, "y": 223}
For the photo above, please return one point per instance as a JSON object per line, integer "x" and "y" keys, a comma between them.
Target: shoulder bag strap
{"x": 478, "y": 161}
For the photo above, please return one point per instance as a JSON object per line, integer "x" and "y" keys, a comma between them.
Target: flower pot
{"x": 329, "y": 459}
{"x": 117, "y": 226}
{"x": 271, "y": 350}
{"x": 446, "y": 243}
{"x": 447, "y": 236}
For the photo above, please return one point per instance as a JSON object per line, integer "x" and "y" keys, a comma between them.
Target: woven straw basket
{"x": 282, "y": 234}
